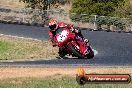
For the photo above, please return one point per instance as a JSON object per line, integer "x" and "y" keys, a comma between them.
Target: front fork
{"x": 78, "y": 48}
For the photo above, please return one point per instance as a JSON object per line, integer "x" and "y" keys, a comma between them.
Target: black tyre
{"x": 74, "y": 51}
{"x": 81, "y": 80}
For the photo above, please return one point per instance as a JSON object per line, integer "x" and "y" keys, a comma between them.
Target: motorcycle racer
{"x": 54, "y": 26}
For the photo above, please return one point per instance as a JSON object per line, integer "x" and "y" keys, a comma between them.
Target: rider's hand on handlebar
{"x": 76, "y": 30}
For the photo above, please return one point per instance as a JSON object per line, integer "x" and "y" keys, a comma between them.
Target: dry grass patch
{"x": 12, "y": 3}
{"x": 18, "y": 48}
{"x": 55, "y": 72}
{"x": 52, "y": 77}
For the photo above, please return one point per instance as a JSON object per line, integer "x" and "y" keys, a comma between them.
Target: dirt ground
{"x": 43, "y": 72}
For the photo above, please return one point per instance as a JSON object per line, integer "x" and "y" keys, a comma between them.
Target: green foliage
{"x": 75, "y": 17}
{"x": 97, "y": 7}
{"x": 103, "y": 20}
{"x": 100, "y": 20}
{"x": 104, "y": 9}
{"x": 125, "y": 9}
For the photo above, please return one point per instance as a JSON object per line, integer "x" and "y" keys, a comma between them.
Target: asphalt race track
{"x": 113, "y": 48}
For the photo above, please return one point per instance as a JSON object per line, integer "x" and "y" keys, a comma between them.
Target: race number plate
{"x": 62, "y": 36}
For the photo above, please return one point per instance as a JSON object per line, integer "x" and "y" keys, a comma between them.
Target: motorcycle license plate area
{"x": 61, "y": 37}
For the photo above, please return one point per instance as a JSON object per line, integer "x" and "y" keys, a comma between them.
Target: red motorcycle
{"x": 70, "y": 43}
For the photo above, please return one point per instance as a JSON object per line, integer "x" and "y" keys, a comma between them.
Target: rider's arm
{"x": 51, "y": 36}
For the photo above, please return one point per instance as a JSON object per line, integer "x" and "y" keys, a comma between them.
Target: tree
{"x": 125, "y": 9}
{"x": 97, "y": 7}
{"x": 103, "y": 8}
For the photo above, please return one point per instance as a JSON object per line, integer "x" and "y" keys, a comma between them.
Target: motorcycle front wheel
{"x": 91, "y": 53}
{"x": 74, "y": 51}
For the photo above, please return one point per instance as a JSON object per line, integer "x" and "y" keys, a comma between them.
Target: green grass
{"x": 14, "y": 48}
{"x": 63, "y": 82}
{"x": 4, "y": 46}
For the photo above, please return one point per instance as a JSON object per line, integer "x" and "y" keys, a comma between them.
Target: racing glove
{"x": 76, "y": 31}
{"x": 86, "y": 40}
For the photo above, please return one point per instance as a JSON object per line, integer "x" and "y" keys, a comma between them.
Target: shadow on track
{"x": 73, "y": 58}
{"x": 98, "y": 60}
